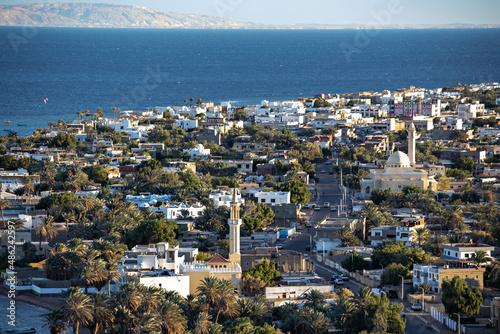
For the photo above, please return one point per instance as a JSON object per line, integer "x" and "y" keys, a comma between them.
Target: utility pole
{"x": 402, "y": 289}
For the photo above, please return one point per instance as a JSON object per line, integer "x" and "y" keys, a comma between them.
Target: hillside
{"x": 105, "y": 15}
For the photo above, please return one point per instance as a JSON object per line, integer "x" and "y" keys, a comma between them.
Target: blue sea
{"x": 48, "y": 74}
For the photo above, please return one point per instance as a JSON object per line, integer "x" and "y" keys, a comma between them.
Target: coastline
{"x": 45, "y": 302}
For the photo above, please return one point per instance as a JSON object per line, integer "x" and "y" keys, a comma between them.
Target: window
{"x": 263, "y": 200}
{"x": 273, "y": 200}
{"x": 466, "y": 254}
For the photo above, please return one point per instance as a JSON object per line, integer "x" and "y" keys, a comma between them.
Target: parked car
{"x": 326, "y": 205}
{"x": 334, "y": 277}
{"x": 333, "y": 208}
{"x": 339, "y": 281}
{"x": 306, "y": 206}
{"x": 323, "y": 171}
{"x": 378, "y": 292}
{"x": 317, "y": 208}
{"x": 416, "y": 307}
{"x": 308, "y": 225}
{"x": 330, "y": 171}
{"x": 328, "y": 162}
{"x": 344, "y": 277}
{"x": 279, "y": 246}
{"x": 308, "y": 248}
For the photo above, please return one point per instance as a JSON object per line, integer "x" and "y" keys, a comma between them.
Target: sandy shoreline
{"x": 46, "y": 302}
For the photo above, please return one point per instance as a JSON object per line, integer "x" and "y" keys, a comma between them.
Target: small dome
{"x": 398, "y": 160}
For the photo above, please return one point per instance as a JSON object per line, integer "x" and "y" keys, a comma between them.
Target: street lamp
{"x": 458, "y": 314}
{"x": 402, "y": 289}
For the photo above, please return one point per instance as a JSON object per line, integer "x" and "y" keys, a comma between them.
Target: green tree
{"x": 422, "y": 234}
{"x": 457, "y": 297}
{"x": 353, "y": 262}
{"x": 466, "y": 164}
{"x": 98, "y": 174}
{"x": 299, "y": 193}
{"x": 265, "y": 271}
{"x": 391, "y": 274}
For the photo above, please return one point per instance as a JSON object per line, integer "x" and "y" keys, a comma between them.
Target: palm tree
{"x": 362, "y": 298}
{"x": 100, "y": 113}
{"x": 87, "y": 114}
{"x": 17, "y": 223}
{"x": 479, "y": 257}
{"x": 462, "y": 229}
{"x": 436, "y": 242}
{"x": 101, "y": 311}
{"x": 146, "y": 323}
{"x": 424, "y": 288}
{"x": 69, "y": 217}
{"x": 202, "y": 323}
{"x": 185, "y": 101}
{"x": 115, "y": 112}
{"x": 422, "y": 234}
{"x": 315, "y": 299}
{"x": 46, "y": 230}
{"x": 210, "y": 288}
{"x": 227, "y": 301}
{"x": 112, "y": 273}
{"x": 191, "y": 99}
{"x": 51, "y": 125}
{"x": 77, "y": 310}
{"x": 315, "y": 321}
{"x": 4, "y": 204}
{"x": 54, "y": 321}
{"x": 172, "y": 319}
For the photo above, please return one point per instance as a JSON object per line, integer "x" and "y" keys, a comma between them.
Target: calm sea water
{"x": 78, "y": 69}
{"x": 27, "y": 316}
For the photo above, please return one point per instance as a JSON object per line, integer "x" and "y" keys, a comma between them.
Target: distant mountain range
{"x": 116, "y": 16}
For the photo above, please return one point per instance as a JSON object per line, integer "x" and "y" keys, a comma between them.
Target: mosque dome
{"x": 398, "y": 160}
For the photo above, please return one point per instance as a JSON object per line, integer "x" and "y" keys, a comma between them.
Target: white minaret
{"x": 411, "y": 144}
{"x": 234, "y": 222}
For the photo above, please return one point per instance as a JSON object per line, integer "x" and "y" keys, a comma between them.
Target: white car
{"x": 328, "y": 162}
{"x": 317, "y": 208}
{"x": 416, "y": 307}
{"x": 339, "y": 281}
{"x": 344, "y": 277}
{"x": 279, "y": 246}
{"x": 323, "y": 171}
{"x": 326, "y": 205}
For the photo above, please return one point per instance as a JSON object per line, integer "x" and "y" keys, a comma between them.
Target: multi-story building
{"x": 434, "y": 275}
{"x": 273, "y": 197}
{"x": 454, "y": 153}
{"x": 404, "y": 234}
{"x": 470, "y": 110}
{"x": 409, "y": 109}
{"x": 224, "y": 197}
{"x": 158, "y": 256}
{"x": 286, "y": 215}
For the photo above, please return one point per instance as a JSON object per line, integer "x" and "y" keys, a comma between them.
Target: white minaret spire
{"x": 411, "y": 144}
{"x": 234, "y": 223}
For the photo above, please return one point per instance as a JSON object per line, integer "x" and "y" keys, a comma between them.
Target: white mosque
{"x": 399, "y": 172}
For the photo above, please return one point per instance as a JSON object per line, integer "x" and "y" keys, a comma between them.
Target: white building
{"x": 153, "y": 256}
{"x": 470, "y": 110}
{"x": 464, "y": 251}
{"x": 404, "y": 234}
{"x": 225, "y": 197}
{"x": 199, "y": 151}
{"x": 173, "y": 211}
{"x": 186, "y": 124}
{"x": 273, "y": 197}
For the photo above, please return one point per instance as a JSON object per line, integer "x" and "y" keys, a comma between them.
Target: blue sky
{"x": 326, "y": 11}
